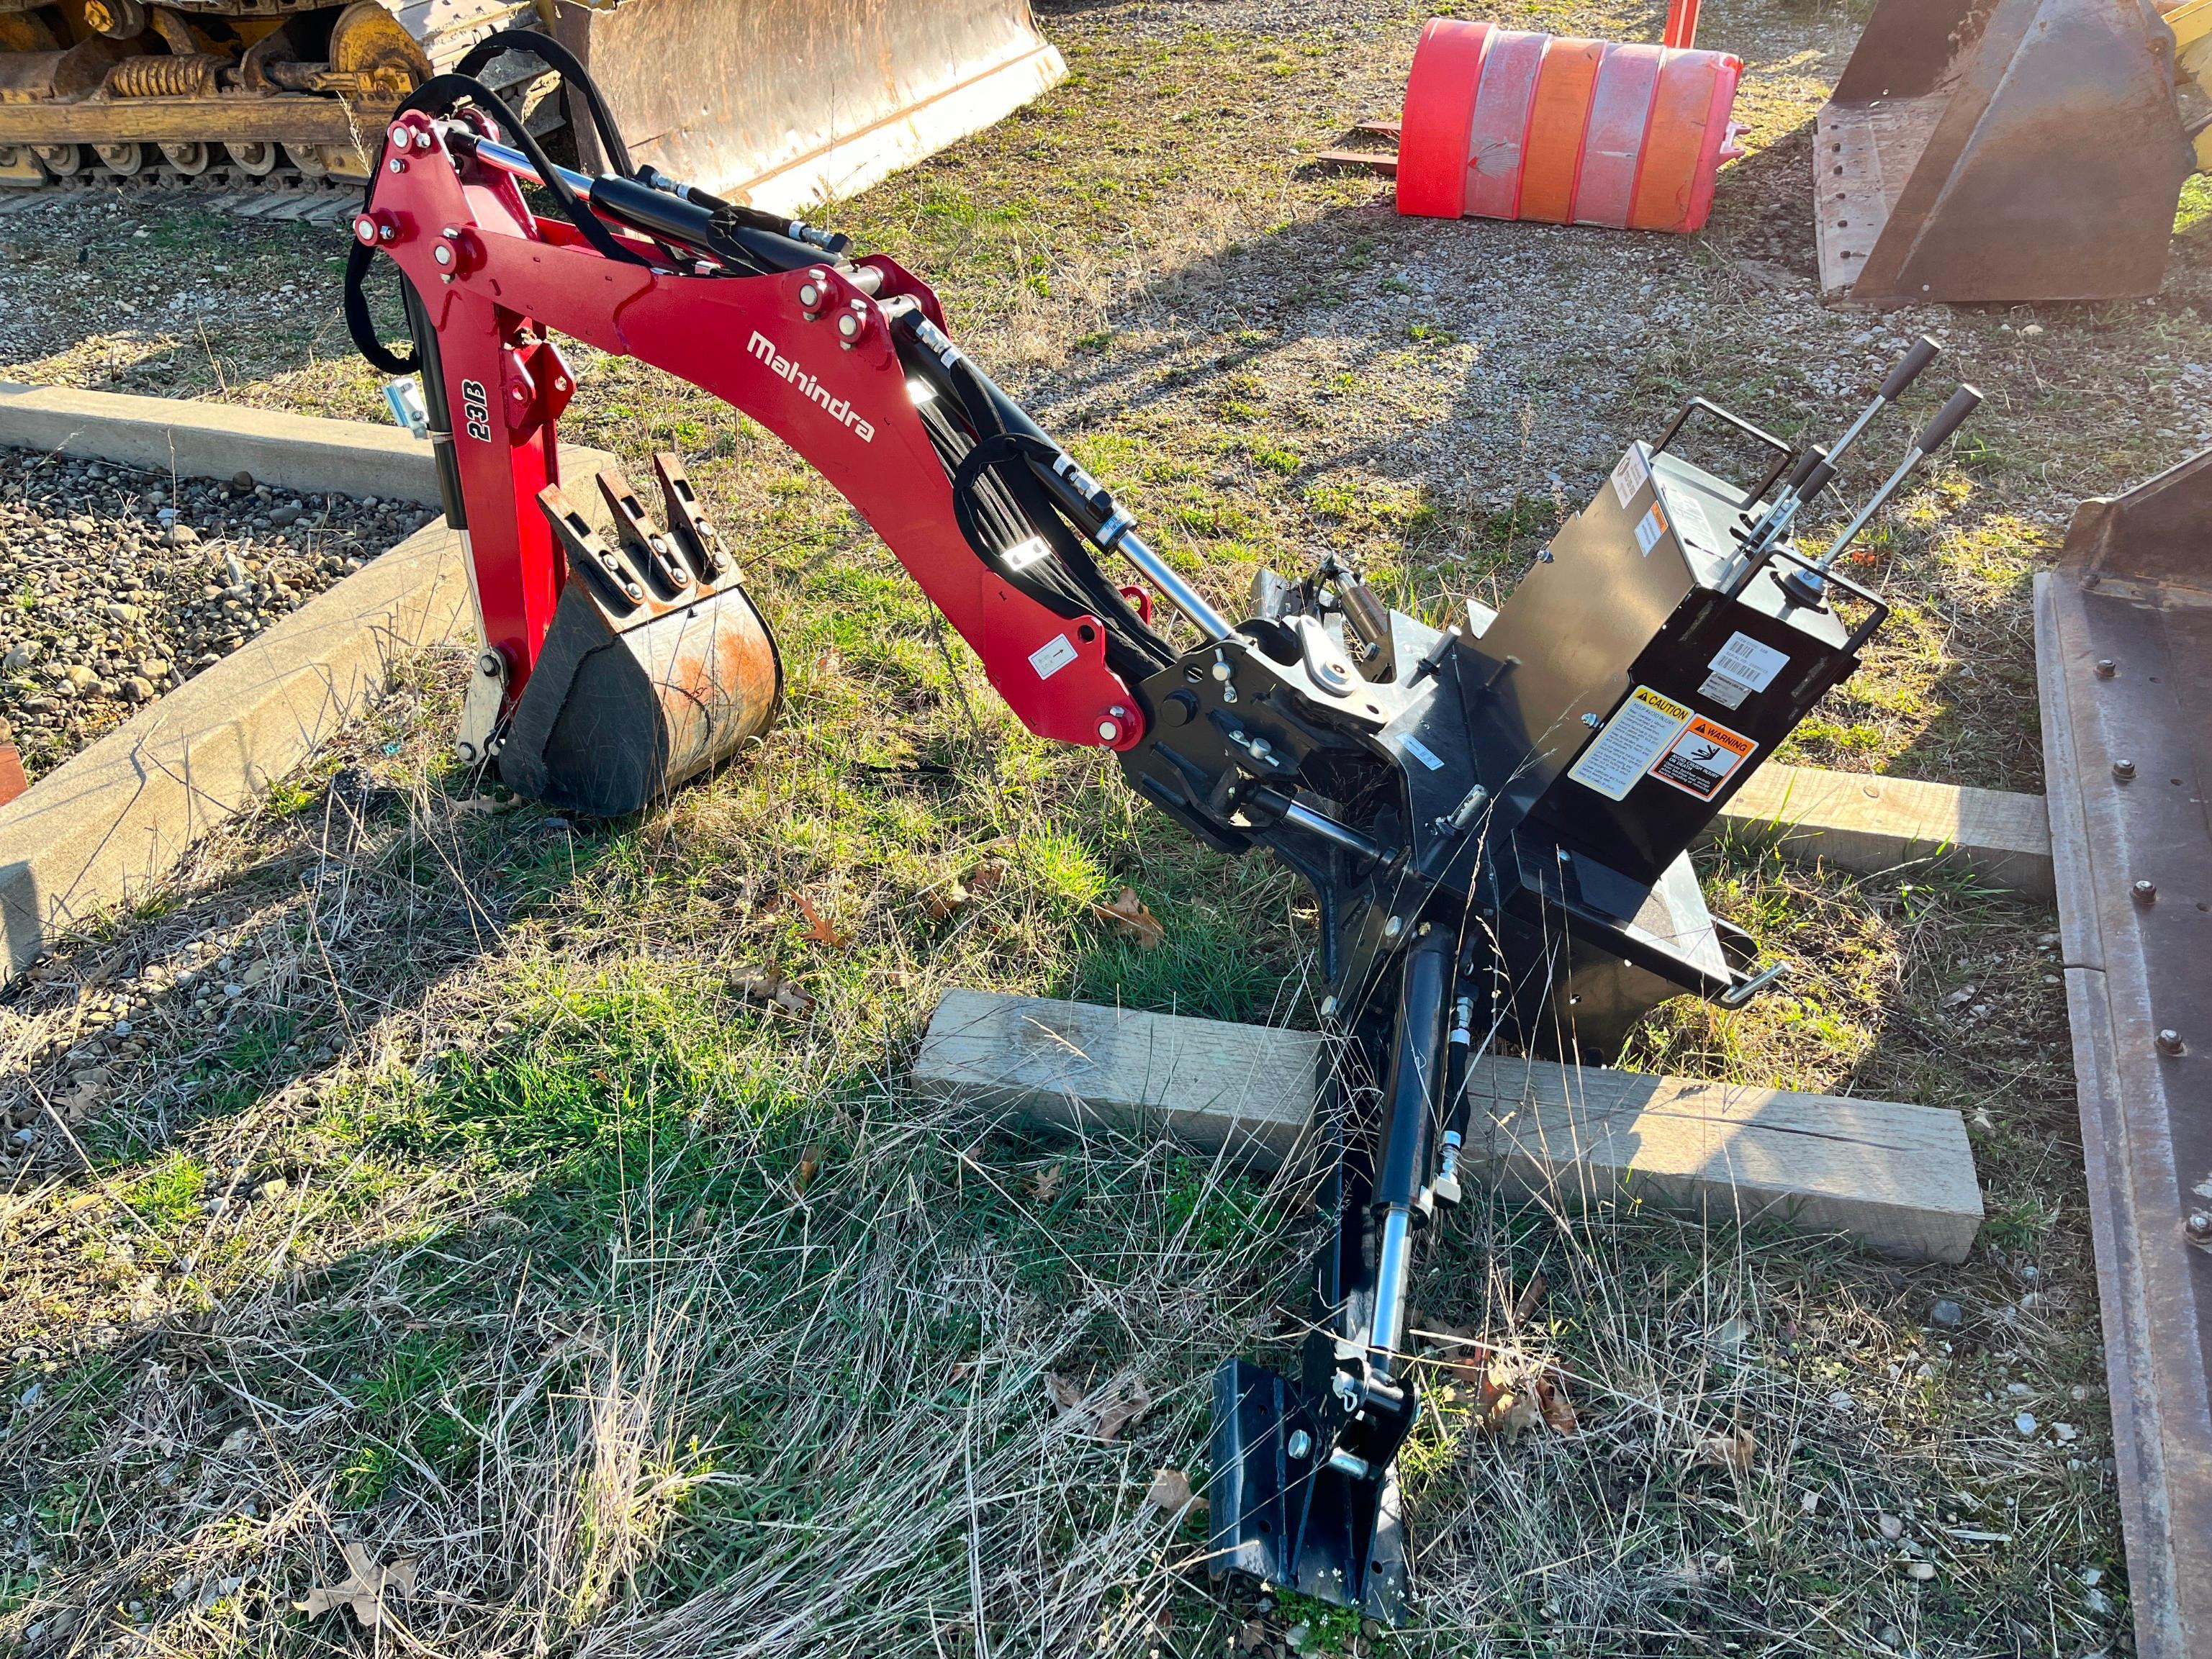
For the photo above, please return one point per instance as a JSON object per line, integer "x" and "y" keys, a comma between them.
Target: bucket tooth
{"x": 694, "y": 531}
{"x": 638, "y": 686}
{"x": 649, "y": 546}
{"x": 587, "y": 549}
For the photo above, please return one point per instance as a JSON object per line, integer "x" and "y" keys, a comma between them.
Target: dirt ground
{"x": 541, "y": 1203}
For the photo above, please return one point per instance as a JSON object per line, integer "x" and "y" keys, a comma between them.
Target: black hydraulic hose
{"x": 359, "y": 324}
{"x": 442, "y": 453}
{"x": 440, "y": 94}
{"x": 574, "y": 78}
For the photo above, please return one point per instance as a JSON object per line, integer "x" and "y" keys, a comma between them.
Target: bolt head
{"x": 422, "y": 138}
{"x": 2146, "y": 892}
{"x": 1110, "y": 731}
{"x": 1328, "y": 1007}
{"x": 487, "y": 663}
{"x": 2106, "y": 668}
{"x": 398, "y": 165}
{"x": 2169, "y": 1042}
{"x": 1393, "y": 928}
{"x": 2124, "y": 769}
{"x": 2199, "y": 1226}
{"x": 1299, "y": 1446}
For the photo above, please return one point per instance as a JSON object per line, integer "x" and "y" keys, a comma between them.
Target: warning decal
{"x": 1702, "y": 757}
{"x": 1636, "y": 737}
{"x": 1650, "y": 528}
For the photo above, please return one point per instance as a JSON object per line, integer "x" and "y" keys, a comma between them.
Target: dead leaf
{"x": 1251, "y": 1635}
{"x": 1171, "y": 1495}
{"x": 364, "y": 1592}
{"x": 1732, "y": 1451}
{"x": 817, "y": 927}
{"x": 1107, "y": 1411}
{"x": 984, "y": 877}
{"x": 768, "y": 986}
{"x": 486, "y": 804}
{"x": 960, "y": 1370}
{"x": 810, "y": 1165}
{"x": 942, "y": 903}
{"x": 1046, "y": 1181}
{"x": 1552, "y": 1401}
{"x": 1124, "y": 1403}
{"x": 1531, "y": 1295}
{"x": 1128, "y": 916}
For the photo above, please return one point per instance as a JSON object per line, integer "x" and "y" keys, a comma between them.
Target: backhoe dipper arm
{"x": 811, "y": 352}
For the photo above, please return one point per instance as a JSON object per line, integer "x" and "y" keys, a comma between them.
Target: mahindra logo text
{"x": 838, "y": 409}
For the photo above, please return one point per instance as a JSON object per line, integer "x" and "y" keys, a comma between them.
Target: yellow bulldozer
{"x": 780, "y": 102}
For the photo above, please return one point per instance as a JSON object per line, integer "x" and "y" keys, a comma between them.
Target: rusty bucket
{"x": 2005, "y": 151}
{"x": 657, "y": 666}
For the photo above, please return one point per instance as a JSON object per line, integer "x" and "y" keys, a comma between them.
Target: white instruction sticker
{"x": 1628, "y": 478}
{"x": 1421, "y": 752}
{"x": 1637, "y": 735}
{"x": 1650, "y": 528}
{"x": 1748, "y": 663}
{"x": 1701, "y": 758}
{"x": 1691, "y": 526}
{"x": 1055, "y": 654}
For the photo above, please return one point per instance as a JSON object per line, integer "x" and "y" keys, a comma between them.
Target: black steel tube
{"x": 1415, "y": 1086}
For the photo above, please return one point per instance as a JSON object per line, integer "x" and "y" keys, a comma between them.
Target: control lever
{"x": 1806, "y": 586}
{"x": 1816, "y": 466}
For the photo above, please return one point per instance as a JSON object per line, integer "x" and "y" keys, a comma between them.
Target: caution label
{"x": 1702, "y": 757}
{"x": 1630, "y": 744}
{"x": 1650, "y": 528}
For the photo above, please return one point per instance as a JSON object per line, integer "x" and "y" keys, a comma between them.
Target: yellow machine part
{"x": 2192, "y": 23}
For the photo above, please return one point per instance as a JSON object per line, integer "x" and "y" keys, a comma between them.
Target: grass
{"x": 500, "y": 1226}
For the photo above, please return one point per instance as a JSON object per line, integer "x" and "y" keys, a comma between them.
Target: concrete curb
{"x": 112, "y": 821}
{"x": 216, "y": 441}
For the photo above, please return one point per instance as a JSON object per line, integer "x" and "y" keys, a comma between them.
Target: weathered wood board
{"x": 1897, "y": 1178}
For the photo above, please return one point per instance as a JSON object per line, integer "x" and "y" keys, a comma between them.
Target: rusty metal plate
{"x": 789, "y": 102}
{"x": 2023, "y": 149}
{"x": 2124, "y": 652}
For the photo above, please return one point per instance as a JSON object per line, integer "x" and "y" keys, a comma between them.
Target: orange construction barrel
{"x": 1509, "y": 124}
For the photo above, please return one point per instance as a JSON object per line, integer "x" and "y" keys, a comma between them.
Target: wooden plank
{"x": 1374, "y": 160}
{"x": 1245, "y": 1088}
{"x": 1859, "y": 821}
{"x": 1897, "y": 1178}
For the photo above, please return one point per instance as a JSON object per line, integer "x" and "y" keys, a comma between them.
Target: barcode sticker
{"x": 1629, "y": 475}
{"x": 1650, "y": 528}
{"x": 1628, "y": 745}
{"x": 1421, "y": 752}
{"x": 1702, "y": 757}
{"x": 1748, "y": 663}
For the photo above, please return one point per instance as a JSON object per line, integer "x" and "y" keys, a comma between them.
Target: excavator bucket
{"x": 656, "y": 667}
{"x": 781, "y": 103}
{"x": 2123, "y": 659}
{"x": 2000, "y": 150}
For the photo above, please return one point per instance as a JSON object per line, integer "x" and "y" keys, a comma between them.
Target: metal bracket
{"x": 480, "y": 706}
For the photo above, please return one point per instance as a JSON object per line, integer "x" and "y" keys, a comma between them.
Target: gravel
{"x": 121, "y": 585}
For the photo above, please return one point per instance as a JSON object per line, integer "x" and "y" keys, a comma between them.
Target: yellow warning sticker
{"x": 1639, "y": 732}
{"x": 1703, "y": 756}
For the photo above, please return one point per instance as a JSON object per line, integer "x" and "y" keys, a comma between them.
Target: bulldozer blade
{"x": 2019, "y": 150}
{"x": 657, "y": 666}
{"x": 2124, "y": 660}
{"x": 787, "y": 102}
